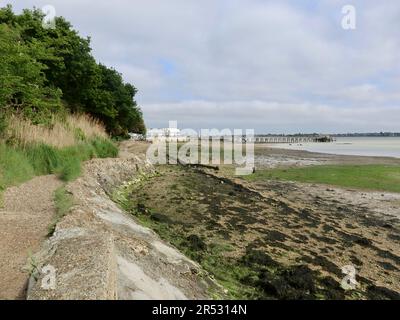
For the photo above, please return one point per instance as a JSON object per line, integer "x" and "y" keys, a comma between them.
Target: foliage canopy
{"x": 46, "y": 71}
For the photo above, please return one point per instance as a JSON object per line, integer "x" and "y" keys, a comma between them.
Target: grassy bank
{"x": 28, "y": 150}
{"x": 368, "y": 177}
{"x": 19, "y": 164}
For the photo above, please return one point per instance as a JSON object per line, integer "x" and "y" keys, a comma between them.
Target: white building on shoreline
{"x": 165, "y": 134}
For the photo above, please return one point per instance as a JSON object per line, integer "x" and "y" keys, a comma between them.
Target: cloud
{"x": 249, "y": 54}
{"x": 273, "y": 117}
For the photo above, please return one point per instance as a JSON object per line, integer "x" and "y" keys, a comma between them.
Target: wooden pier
{"x": 284, "y": 139}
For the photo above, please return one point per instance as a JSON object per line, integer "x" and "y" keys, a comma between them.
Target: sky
{"x": 275, "y": 66}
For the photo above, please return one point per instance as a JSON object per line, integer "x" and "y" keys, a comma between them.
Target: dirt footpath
{"x": 27, "y": 212}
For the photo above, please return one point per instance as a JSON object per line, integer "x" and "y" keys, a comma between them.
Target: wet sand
{"x": 270, "y": 157}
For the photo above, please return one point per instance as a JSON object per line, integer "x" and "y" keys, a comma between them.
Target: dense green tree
{"x": 116, "y": 102}
{"x": 23, "y": 85}
{"x": 39, "y": 66}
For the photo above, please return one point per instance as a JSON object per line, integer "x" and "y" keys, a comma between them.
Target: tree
{"x": 42, "y": 66}
{"x": 23, "y": 86}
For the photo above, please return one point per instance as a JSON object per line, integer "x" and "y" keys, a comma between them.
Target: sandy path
{"x": 28, "y": 210}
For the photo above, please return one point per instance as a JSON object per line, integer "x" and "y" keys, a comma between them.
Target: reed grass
{"x": 61, "y": 132}
{"x": 28, "y": 150}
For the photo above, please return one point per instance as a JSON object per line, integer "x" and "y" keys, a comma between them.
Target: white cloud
{"x": 247, "y": 53}
{"x": 274, "y": 117}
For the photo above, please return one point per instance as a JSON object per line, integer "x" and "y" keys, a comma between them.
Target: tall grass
{"x": 19, "y": 164}
{"x": 89, "y": 126}
{"x": 62, "y": 132}
{"x": 27, "y": 150}
{"x": 63, "y": 201}
{"x": 14, "y": 167}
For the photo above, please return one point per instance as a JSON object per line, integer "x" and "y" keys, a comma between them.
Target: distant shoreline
{"x": 342, "y": 135}
{"x": 274, "y": 156}
{"x": 380, "y": 147}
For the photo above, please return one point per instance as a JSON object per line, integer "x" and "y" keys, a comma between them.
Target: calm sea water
{"x": 362, "y": 146}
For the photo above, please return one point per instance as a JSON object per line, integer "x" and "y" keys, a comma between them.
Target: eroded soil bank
{"x": 270, "y": 240}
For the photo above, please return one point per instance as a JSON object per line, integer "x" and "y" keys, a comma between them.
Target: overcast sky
{"x": 269, "y": 65}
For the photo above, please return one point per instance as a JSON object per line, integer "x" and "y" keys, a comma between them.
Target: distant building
{"x": 137, "y": 136}
{"x": 166, "y": 134}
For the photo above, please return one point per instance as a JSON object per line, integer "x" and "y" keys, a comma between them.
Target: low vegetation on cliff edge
{"x": 27, "y": 151}
{"x": 58, "y": 105}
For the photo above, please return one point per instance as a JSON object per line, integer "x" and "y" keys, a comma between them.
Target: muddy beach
{"x": 277, "y": 239}
{"x": 270, "y": 157}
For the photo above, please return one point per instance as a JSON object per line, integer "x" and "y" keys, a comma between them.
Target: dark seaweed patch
{"x": 387, "y": 266}
{"x": 300, "y": 283}
{"x": 161, "y": 218}
{"x": 275, "y": 236}
{"x": 388, "y": 255}
{"x": 381, "y": 293}
{"x": 256, "y": 257}
{"x": 195, "y": 243}
{"x": 323, "y": 262}
{"x": 356, "y": 261}
{"x": 395, "y": 237}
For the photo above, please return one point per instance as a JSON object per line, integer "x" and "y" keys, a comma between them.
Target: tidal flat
{"x": 274, "y": 239}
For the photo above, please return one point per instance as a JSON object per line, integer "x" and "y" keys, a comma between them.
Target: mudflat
{"x": 275, "y": 239}
{"x": 269, "y": 157}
